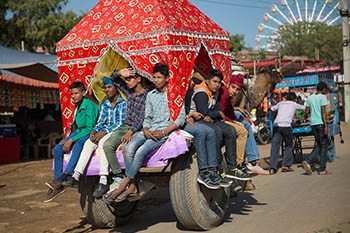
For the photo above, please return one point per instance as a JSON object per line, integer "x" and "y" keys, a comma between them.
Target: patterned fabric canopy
{"x": 143, "y": 32}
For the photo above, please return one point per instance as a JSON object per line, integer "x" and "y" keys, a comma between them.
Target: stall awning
{"x": 10, "y": 77}
{"x": 32, "y": 65}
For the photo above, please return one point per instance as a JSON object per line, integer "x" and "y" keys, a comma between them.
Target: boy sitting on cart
{"x": 157, "y": 126}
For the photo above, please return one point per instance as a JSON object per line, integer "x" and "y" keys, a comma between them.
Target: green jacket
{"x": 85, "y": 119}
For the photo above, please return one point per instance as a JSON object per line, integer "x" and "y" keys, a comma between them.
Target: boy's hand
{"x": 190, "y": 121}
{"x": 148, "y": 134}
{"x": 98, "y": 136}
{"x": 208, "y": 119}
{"x": 67, "y": 145}
{"x": 92, "y": 136}
{"x": 196, "y": 115}
{"x": 158, "y": 134}
{"x": 127, "y": 72}
{"x": 127, "y": 137}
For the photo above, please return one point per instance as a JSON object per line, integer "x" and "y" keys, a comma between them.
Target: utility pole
{"x": 345, "y": 14}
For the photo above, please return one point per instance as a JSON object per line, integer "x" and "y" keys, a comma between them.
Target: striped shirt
{"x": 111, "y": 118}
{"x": 157, "y": 115}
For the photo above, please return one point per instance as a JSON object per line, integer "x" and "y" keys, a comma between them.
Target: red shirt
{"x": 226, "y": 105}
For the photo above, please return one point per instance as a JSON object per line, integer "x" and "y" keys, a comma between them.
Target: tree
{"x": 315, "y": 40}
{"x": 237, "y": 43}
{"x": 36, "y": 22}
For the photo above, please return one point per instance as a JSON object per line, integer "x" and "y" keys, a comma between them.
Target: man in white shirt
{"x": 283, "y": 131}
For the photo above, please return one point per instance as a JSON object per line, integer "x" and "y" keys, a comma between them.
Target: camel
{"x": 256, "y": 89}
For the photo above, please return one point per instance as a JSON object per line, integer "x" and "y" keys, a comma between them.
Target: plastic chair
{"x": 49, "y": 142}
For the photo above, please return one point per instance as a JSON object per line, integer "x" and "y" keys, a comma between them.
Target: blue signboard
{"x": 305, "y": 80}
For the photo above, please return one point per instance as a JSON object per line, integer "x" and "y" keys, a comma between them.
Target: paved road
{"x": 285, "y": 202}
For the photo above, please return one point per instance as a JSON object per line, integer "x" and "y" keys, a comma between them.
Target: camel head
{"x": 263, "y": 84}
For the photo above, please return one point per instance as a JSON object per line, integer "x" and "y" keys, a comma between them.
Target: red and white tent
{"x": 143, "y": 32}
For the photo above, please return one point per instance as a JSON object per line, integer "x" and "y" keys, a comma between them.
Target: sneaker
{"x": 238, "y": 174}
{"x": 257, "y": 169}
{"x": 71, "y": 182}
{"x": 307, "y": 168}
{"x": 217, "y": 179}
{"x": 100, "y": 190}
{"x": 205, "y": 179}
{"x": 54, "y": 184}
{"x": 53, "y": 193}
{"x": 117, "y": 181}
{"x": 249, "y": 186}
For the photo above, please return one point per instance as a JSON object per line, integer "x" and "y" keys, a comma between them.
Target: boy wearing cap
{"x": 84, "y": 120}
{"x": 132, "y": 85}
{"x": 112, "y": 116}
{"x": 251, "y": 149}
{"x": 230, "y": 118}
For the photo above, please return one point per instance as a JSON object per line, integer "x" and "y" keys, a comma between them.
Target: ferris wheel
{"x": 289, "y": 12}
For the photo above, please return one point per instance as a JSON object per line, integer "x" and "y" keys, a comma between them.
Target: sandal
{"x": 325, "y": 172}
{"x": 287, "y": 169}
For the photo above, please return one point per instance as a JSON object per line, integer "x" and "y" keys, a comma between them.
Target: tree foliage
{"x": 237, "y": 43}
{"x": 36, "y": 22}
{"x": 314, "y": 40}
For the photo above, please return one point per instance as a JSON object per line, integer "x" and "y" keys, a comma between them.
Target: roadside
{"x": 285, "y": 202}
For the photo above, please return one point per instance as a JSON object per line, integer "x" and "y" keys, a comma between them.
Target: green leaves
{"x": 36, "y": 22}
{"x": 315, "y": 40}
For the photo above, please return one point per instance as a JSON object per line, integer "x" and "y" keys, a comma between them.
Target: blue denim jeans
{"x": 321, "y": 147}
{"x": 58, "y": 156}
{"x": 225, "y": 134}
{"x": 251, "y": 148}
{"x": 205, "y": 144}
{"x": 281, "y": 134}
{"x": 136, "y": 150}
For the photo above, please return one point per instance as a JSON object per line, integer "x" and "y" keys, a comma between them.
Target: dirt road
{"x": 285, "y": 202}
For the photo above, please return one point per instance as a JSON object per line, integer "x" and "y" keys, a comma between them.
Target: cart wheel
{"x": 297, "y": 152}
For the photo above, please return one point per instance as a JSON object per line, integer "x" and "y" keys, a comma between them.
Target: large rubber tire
{"x": 98, "y": 213}
{"x": 196, "y": 207}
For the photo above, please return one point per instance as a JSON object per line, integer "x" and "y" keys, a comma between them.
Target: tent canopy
{"x": 144, "y": 32}
{"x": 32, "y": 65}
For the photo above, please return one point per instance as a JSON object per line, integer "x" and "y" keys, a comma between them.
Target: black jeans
{"x": 279, "y": 134}
{"x": 227, "y": 134}
{"x": 321, "y": 145}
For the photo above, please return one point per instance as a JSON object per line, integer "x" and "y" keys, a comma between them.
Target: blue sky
{"x": 235, "y": 16}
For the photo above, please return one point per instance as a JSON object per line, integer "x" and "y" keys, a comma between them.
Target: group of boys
{"x": 316, "y": 107}
{"x": 140, "y": 120}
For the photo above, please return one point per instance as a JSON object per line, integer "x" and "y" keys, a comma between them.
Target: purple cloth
{"x": 174, "y": 146}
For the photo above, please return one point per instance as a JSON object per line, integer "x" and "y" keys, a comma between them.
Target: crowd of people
{"x": 139, "y": 120}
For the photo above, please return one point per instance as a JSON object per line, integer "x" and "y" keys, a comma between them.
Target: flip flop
{"x": 324, "y": 173}
{"x": 287, "y": 169}
{"x": 126, "y": 194}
